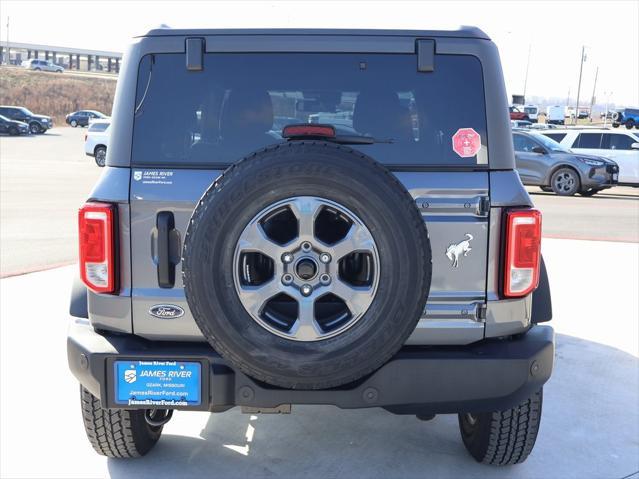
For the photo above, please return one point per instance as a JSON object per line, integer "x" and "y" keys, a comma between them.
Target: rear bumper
{"x": 486, "y": 376}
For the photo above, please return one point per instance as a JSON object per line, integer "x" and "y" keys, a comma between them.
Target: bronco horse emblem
{"x": 454, "y": 251}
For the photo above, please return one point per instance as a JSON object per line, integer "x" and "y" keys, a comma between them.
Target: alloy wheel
{"x": 306, "y": 268}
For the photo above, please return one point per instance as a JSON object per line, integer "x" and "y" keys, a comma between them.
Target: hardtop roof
{"x": 460, "y": 32}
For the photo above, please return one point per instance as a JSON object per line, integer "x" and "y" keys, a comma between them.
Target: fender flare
{"x": 541, "y": 300}
{"x": 78, "y": 307}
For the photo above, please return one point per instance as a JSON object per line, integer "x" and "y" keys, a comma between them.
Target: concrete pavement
{"x": 590, "y": 425}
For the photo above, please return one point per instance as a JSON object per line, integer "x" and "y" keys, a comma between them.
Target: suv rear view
{"x": 298, "y": 217}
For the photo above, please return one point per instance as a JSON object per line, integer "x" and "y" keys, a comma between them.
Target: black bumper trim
{"x": 486, "y": 376}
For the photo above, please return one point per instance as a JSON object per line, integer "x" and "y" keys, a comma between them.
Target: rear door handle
{"x": 168, "y": 245}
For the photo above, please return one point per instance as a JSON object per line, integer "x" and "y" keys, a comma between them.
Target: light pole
{"x": 526, "y": 77}
{"x": 8, "y": 47}
{"x": 592, "y": 99}
{"x": 607, "y": 95}
{"x": 581, "y": 67}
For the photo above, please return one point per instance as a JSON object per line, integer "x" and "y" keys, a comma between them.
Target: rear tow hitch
{"x": 157, "y": 417}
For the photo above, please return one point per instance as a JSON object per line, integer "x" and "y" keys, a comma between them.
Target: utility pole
{"x": 8, "y": 61}
{"x": 526, "y": 78}
{"x": 607, "y": 95}
{"x": 581, "y": 67}
{"x": 592, "y": 99}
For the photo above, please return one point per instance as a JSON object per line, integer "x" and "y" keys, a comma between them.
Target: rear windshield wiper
{"x": 305, "y": 131}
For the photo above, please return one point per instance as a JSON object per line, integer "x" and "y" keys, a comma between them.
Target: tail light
{"x": 97, "y": 248}
{"x": 86, "y": 135}
{"x": 523, "y": 256}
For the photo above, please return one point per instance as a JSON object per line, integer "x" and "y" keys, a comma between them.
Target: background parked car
{"x": 620, "y": 146}
{"x": 83, "y": 117}
{"x": 545, "y": 163}
{"x": 517, "y": 114}
{"x": 96, "y": 140}
{"x": 532, "y": 111}
{"x": 42, "y": 65}
{"x": 520, "y": 124}
{"x": 543, "y": 126}
{"x": 627, "y": 116}
{"x": 12, "y": 127}
{"x": 37, "y": 123}
{"x": 556, "y": 115}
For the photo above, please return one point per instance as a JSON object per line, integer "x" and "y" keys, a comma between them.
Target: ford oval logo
{"x": 166, "y": 311}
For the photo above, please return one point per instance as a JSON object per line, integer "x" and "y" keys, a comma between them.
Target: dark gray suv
{"x": 543, "y": 162}
{"x": 373, "y": 247}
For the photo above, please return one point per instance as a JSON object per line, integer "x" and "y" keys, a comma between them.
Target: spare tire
{"x": 306, "y": 265}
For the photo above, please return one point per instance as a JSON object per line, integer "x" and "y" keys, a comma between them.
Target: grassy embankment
{"x": 55, "y": 94}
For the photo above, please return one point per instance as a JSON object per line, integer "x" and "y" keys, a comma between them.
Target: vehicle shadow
{"x": 16, "y": 136}
{"x": 589, "y": 429}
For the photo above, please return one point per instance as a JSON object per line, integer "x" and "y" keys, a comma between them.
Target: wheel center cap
{"x": 306, "y": 269}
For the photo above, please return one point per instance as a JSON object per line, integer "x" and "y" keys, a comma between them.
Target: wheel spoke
{"x": 357, "y": 298}
{"x": 254, "y": 239}
{"x": 306, "y": 328}
{"x": 357, "y": 239}
{"x": 305, "y": 210}
{"x": 254, "y": 297}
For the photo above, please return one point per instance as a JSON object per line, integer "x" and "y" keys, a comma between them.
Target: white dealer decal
{"x": 153, "y": 177}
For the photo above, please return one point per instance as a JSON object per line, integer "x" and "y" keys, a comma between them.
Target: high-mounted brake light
{"x": 293, "y": 131}
{"x": 97, "y": 251}
{"x": 523, "y": 252}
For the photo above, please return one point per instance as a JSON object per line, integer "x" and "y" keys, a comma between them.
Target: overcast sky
{"x": 554, "y": 30}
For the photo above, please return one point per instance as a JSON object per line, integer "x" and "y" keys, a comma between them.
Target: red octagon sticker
{"x": 466, "y": 142}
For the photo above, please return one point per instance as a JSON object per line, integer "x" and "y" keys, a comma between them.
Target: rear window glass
{"x": 98, "y": 126}
{"x": 241, "y": 102}
{"x": 618, "y": 142}
{"x": 588, "y": 140}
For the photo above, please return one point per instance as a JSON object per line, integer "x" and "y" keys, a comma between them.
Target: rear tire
{"x": 120, "y": 433}
{"x": 74, "y": 123}
{"x": 503, "y": 438}
{"x": 100, "y": 156}
{"x": 34, "y": 128}
{"x": 565, "y": 182}
{"x": 630, "y": 124}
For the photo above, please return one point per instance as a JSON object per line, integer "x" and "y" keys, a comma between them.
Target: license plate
{"x": 158, "y": 383}
{"x": 615, "y": 176}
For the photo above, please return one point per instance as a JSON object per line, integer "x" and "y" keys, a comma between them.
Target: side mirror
{"x": 635, "y": 146}
{"x": 539, "y": 149}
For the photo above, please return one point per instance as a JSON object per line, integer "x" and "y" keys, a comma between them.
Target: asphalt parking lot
{"x": 44, "y": 179}
{"x": 590, "y": 425}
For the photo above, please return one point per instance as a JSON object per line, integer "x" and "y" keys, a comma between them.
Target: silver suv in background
{"x": 545, "y": 163}
{"x": 42, "y": 65}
